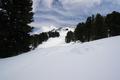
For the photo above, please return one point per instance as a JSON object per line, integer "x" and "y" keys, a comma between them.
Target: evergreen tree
{"x": 15, "y": 30}
{"x": 93, "y": 28}
{"x": 100, "y": 28}
{"x": 88, "y": 27}
{"x": 39, "y": 39}
{"x": 70, "y": 37}
{"x": 80, "y": 32}
{"x": 113, "y": 23}
{"x": 43, "y": 36}
{"x": 53, "y": 34}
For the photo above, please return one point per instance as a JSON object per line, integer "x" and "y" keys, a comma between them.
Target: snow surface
{"x": 97, "y": 60}
{"x": 58, "y": 41}
{"x": 39, "y": 29}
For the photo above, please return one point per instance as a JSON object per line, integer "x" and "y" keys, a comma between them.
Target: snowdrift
{"x": 96, "y": 60}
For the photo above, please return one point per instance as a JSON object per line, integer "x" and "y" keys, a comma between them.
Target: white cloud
{"x": 72, "y": 4}
{"x": 80, "y": 1}
{"x": 116, "y": 2}
{"x": 73, "y": 11}
{"x": 47, "y": 3}
{"x": 43, "y": 3}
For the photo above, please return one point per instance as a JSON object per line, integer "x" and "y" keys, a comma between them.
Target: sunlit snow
{"x": 97, "y": 60}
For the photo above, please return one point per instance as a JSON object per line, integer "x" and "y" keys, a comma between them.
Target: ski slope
{"x": 96, "y": 60}
{"x": 58, "y": 41}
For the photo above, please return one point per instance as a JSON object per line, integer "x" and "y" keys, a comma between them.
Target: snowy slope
{"x": 39, "y": 29}
{"x": 97, "y": 60}
{"x": 58, "y": 41}
{"x": 52, "y": 42}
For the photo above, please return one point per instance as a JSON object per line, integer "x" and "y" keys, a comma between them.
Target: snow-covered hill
{"x": 52, "y": 42}
{"x": 39, "y": 29}
{"x": 96, "y": 60}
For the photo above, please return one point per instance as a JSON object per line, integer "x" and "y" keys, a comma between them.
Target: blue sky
{"x": 70, "y": 12}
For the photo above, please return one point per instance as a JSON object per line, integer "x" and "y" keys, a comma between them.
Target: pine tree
{"x": 113, "y": 23}
{"x": 70, "y": 37}
{"x": 53, "y": 34}
{"x": 100, "y": 28}
{"x": 80, "y": 32}
{"x": 88, "y": 27}
{"x": 16, "y": 38}
{"x": 93, "y": 28}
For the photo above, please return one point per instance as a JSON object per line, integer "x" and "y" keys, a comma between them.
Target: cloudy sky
{"x": 70, "y": 12}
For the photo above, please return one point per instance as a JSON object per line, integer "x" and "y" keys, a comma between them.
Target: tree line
{"x": 15, "y": 38}
{"x": 96, "y": 27}
{"x": 42, "y": 37}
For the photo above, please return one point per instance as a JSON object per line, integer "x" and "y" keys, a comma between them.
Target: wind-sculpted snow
{"x": 70, "y": 12}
